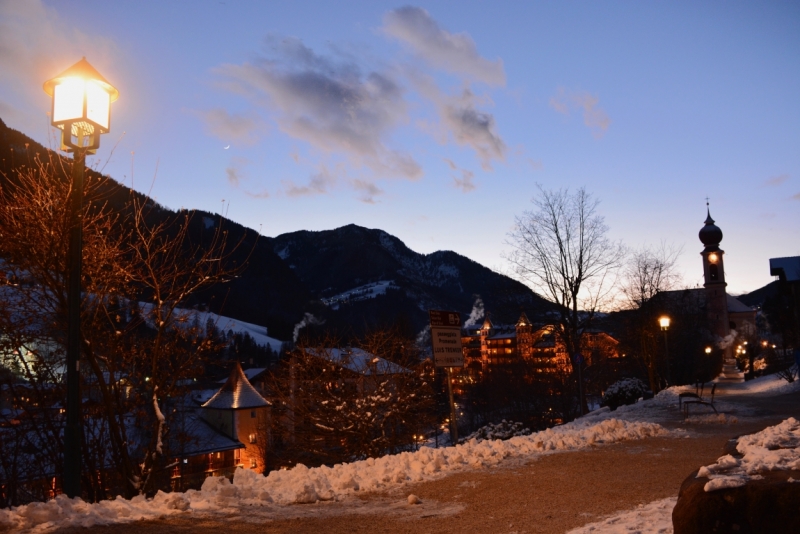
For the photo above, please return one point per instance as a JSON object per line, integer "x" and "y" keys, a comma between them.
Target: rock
{"x": 413, "y": 499}
{"x": 770, "y": 505}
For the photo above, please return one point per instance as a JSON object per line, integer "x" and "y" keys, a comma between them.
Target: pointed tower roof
{"x": 487, "y": 323}
{"x": 523, "y": 320}
{"x": 237, "y": 393}
{"x": 710, "y": 234}
{"x": 82, "y": 69}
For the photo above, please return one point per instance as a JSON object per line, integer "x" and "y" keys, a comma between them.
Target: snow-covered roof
{"x": 249, "y": 373}
{"x": 360, "y": 361}
{"x": 200, "y": 438}
{"x": 503, "y": 335}
{"x": 736, "y": 306}
{"x": 237, "y": 393}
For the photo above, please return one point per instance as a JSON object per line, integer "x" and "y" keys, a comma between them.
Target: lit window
{"x": 252, "y": 438}
{"x": 252, "y": 463}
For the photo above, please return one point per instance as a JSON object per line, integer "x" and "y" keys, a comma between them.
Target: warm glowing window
{"x": 252, "y": 438}
{"x": 98, "y": 102}
{"x": 68, "y": 99}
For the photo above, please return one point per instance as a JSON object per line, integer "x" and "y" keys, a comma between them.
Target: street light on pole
{"x": 81, "y": 109}
{"x": 664, "y": 321}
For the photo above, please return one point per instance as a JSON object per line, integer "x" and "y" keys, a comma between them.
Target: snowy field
{"x": 301, "y": 485}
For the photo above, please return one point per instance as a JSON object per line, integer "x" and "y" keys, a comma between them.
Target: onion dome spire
{"x": 710, "y": 234}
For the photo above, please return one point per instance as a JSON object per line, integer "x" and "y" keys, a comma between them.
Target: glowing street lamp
{"x": 664, "y": 321}
{"x": 708, "y": 350}
{"x": 81, "y": 109}
{"x": 81, "y": 106}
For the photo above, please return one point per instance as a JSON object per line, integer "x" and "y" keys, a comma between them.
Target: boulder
{"x": 768, "y": 505}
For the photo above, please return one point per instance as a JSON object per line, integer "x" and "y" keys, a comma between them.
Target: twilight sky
{"x": 434, "y": 121}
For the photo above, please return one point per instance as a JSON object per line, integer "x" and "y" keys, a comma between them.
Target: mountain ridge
{"x": 288, "y": 275}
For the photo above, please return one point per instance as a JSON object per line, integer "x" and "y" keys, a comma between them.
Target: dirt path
{"x": 551, "y": 494}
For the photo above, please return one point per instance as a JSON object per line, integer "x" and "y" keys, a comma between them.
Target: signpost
{"x": 447, "y": 352}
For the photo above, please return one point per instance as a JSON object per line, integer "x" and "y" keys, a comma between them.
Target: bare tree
{"x": 334, "y": 405}
{"x": 648, "y": 272}
{"x": 562, "y": 250}
{"x": 138, "y": 345}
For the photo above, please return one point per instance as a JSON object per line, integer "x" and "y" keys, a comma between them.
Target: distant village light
{"x": 708, "y": 350}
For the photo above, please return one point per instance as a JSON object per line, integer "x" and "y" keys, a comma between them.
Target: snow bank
{"x": 308, "y": 485}
{"x": 650, "y": 518}
{"x": 774, "y": 448}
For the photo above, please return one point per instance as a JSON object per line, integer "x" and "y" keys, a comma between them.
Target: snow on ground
{"x": 650, "y": 518}
{"x": 774, "y": 448}
{"x": 308, "y": 485}
{"x": 327, "y": 484}
{"x": 367, "y": 291}
{"x": 258, "y": 333}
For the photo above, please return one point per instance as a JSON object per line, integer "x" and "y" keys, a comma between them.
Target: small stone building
{"x": 240, "y": 412}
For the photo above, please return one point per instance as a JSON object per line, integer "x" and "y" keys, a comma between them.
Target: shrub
{"x": 621, "y": 392}
{"x": 502, "y": 430}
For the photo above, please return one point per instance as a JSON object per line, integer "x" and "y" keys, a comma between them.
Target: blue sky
{"x": 435, "y": 121}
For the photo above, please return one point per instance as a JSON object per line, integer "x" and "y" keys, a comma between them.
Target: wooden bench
{"x": 700, "y": 400}
{"x": 698, "y": 394}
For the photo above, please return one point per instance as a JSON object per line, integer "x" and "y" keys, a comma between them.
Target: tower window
{"x": 713, "y": 272}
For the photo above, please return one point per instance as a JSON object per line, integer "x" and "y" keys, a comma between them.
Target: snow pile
{"x": 774, "y": 448}
{"x": 502, "y": 430}
{"x": 650, "y": 518}
{"x": 308, "y": 485}
{"x": 301, "y": 484}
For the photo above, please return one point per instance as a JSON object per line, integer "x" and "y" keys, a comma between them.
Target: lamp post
{"x": 81, "y": 109}
{"x": 664, "y": 321}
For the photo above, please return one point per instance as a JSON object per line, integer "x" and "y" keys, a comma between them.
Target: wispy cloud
{"x": 451, "y": 52}
{"x": 331, "y": 103}
{"x": 233, "y": 176}
{"x": 466, "y": 182}
{"x": 368, "y": 191}
{"x": 319, "y": 183}
{"x": 796, "y": 196}
{"x": 347, "y": 107}
{"x": 261, "y": 194}
{"x": 461, "y": 121}
{"x": 536, "y": 164}
{"x": 594, "y": 117}
{"x": 776, "y": 180}
{"x": 231, "y": 128}
{"x": 233, "y": 172}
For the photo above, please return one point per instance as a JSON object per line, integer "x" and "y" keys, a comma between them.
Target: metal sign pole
{"x": 453, "y": 420}
{"x": 447, "y": 353}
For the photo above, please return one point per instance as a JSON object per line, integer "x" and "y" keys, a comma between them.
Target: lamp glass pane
{"x": 68, "y": 100}
{"x": 98, "y": 103}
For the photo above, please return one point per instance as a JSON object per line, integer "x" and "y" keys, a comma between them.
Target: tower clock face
{"x": 713, "y": 258}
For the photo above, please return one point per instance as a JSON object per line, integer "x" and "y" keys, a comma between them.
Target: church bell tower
{"x": 714, "y": 276}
